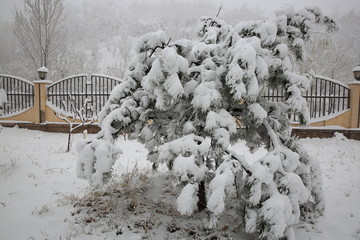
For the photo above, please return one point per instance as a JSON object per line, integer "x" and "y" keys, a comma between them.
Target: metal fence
{"x": 19, "y": 94}
{"x": 75, "y": 86}
{"x": 96, "y": 90}
{"x": 325, "y": 97}
{"x": 101, "y": 89}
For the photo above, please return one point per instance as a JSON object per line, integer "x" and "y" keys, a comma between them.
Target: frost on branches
{"x": 188, "y": 100}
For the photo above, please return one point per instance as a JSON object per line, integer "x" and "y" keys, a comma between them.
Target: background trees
{"x": 334, "y": 55}
{"x": 38, "y": 28}
{"x": 99, "y": 37}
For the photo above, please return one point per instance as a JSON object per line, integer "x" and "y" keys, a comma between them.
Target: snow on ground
{"x": 38, "y": 180}
{"x": 340, "y": 162}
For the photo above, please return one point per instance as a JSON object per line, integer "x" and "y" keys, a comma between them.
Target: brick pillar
{"x": 355, "y": 104}
{"x": 40, "y": 99}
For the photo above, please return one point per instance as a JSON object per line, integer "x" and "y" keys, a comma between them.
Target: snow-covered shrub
{"x": 188, "y": 100}
{"x": 96, "y": 160}
{"x": 3, "y": 100}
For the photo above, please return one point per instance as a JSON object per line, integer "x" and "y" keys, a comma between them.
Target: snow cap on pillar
{"x": 356, "y": 72}
{"x": 42, "y": 71}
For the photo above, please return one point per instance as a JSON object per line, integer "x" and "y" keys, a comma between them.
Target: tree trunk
{"x": 69, "y": 139}
{"x": 202, "y": 196}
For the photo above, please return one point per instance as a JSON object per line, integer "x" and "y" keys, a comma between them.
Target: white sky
{"x": 329, "y": 7}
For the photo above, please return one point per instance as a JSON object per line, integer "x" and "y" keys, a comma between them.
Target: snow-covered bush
{"x": 3, "y": 101}
{"x": 188, "y": 100}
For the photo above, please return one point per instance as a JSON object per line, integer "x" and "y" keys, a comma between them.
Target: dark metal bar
{"x": 316, "y": 93}
{"x": 78, "y": 90}
{"x": 324, "y": 102}
{"x": 97, "y": 94}
{"x": 65, "y": 89}
{"x": 56, "y": 98}
{"x": 338, "y": 101}
{"x": 103, "y": 91}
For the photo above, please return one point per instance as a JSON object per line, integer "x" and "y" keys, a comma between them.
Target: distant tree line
{"x": 98, "y": 37}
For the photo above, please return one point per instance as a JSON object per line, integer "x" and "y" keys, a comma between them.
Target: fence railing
{"x": 19, "y": 93}
{"x": 325, "y": 97}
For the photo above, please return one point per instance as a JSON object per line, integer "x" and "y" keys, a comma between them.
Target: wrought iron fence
{"x": 19, "y": 94}
{"x": 74, "y": 86}
{"x": 101, "y": 89}
{"x": 325, "y": 97}
{"x": 59, "y": 92}
{"x": 96, "y": 90}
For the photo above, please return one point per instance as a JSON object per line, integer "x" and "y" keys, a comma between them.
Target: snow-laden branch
{"x": 274, "y": 138}
{"x": 232, "y": 154}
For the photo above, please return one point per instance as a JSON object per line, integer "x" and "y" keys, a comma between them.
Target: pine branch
{"x": 162, "y": 47}
{"x": 233, "y": 155}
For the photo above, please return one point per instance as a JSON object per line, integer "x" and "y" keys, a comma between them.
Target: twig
{"x": 219, "y": 11}
{"x": 162, "y": 47}
{"x": 211, "y": 236}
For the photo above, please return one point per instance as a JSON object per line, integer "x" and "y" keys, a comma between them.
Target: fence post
{"x": 355, "y": 104}
{"x": 40, "y": 94}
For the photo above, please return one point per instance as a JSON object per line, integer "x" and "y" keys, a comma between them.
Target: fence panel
{"x": 19, "y": 94}
{"x": 325, "y": 97}
{"x": 96, "y": 90}
{"x": 102, "y": 86}
{"x": 75, "y": 86}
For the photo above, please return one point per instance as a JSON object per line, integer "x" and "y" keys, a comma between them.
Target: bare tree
{"x": 38, "y": 27}
{"x": 328, "y": 58}
{"x": 74, "y": 117}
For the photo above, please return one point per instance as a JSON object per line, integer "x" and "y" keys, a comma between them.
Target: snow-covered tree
{"x": 335, "y": 55}
{"x": 188, "y": 100}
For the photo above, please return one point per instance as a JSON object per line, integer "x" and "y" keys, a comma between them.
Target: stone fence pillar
{"x": 355, "y": 104}
{"x": 40, "y": 94}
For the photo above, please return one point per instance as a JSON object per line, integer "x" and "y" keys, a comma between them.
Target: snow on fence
{"x": 95, "y": 89}
{"x": 325, "y": 97}
{"x": 19, "y": 94}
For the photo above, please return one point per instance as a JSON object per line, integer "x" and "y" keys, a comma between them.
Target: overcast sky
{"x": 329, "y": 7}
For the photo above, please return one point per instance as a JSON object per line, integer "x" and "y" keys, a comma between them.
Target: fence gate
{"x": 19, "y": 94}
{"x": 96, "y": 90}
{"x": 325, "y": 97}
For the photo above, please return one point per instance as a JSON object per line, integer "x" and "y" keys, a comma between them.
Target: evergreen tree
{"x": 176, "y": 95}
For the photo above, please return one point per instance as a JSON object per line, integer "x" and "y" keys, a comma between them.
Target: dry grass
{"x": 139, "y": 202}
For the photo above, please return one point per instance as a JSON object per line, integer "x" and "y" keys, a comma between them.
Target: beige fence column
{"x": 355, "y": 104}
{"x": 40, "y": 99}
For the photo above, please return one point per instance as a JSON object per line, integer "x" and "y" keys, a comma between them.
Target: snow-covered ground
{"x": 38, "y": 181}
